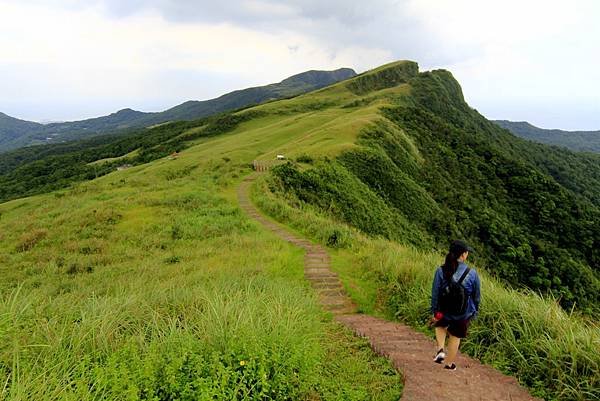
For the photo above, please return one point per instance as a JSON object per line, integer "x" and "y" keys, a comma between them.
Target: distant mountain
{"x": 12, "y": 129}
{"x": 15, "y": 133}
{"x": 582, "y": 141}
{"x": 292, "y": 86}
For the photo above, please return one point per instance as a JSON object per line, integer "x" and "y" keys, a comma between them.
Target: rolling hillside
{"x": 16, "y": 133}
{"x": 582, "y": 141}
{"x": 150, "y": 282}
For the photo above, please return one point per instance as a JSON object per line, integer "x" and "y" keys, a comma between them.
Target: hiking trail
{"x": 411, "y": 352}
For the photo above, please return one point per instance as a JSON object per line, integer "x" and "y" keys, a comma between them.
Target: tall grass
{"x": 551, "y": 351}
{"x": 249, "y": 338}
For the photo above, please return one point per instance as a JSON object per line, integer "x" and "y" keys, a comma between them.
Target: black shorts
{"x": 458, "y": 328}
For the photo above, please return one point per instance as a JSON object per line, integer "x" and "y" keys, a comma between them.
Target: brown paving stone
{"x": 320, "y": 274}
{"x": 410, "y": 352}
{"x": 318, "y": 264}
{"x": 330, "y": 292}
{"x": 317, "y": 270}
{"x": 327, "y": 286}
{"x": 321, "y": 277}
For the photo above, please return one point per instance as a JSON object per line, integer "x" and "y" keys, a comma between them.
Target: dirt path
{"x": 411, "y": 352}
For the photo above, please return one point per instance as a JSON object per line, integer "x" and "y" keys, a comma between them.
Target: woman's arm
{"x": 476, "y": 294}
{"x": 435, "y": 289}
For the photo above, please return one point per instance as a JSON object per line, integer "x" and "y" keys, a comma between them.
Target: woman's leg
{"x": 440, "y": 336}
{"x": 453, "y": 343}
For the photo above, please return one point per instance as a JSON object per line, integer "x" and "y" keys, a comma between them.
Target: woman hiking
{"x": 455, "y": 296}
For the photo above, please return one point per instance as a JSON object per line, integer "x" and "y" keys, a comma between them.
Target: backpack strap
{"x": 464, "y": 275}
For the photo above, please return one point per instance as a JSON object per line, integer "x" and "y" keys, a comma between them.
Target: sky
{"x": 63, "y": 60}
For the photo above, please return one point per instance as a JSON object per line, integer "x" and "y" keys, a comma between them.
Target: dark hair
{"x": 457, "y": 248}
{"x": 451, "y": 264}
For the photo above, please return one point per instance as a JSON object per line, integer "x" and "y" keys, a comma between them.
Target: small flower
{"x": 242, "y": 363}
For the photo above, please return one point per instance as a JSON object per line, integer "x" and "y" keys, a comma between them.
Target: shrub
{"x": 304, "y": 158}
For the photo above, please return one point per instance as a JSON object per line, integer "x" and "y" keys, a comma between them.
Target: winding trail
{"x": 410, "y": 352}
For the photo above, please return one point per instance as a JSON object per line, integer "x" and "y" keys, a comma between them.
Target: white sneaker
{"x": 439, "y": 357}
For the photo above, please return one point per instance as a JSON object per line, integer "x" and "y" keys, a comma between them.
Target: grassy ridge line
{"x": 522, "y": 334}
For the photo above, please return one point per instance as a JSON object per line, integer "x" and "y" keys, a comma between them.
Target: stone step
{"x": 317, "y": 264}
{"x": 331, "y": 292}
{"x": 344, "y": 311}
{"x": 316, "y": 276}
{"x": 341, "y": 307}
{"x": 317, "y": 270}
{"x": 333, "y": 279}
{"x": 324, "y": 285}
{"x": 334, "y": 300}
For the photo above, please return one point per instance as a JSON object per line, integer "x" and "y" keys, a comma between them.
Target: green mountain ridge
{"x": 16, "y": 133}
{"x": 581, "y": 141}
{"x": 382, "y": 168}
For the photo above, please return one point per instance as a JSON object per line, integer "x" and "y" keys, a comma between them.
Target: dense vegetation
{"x": 438, "y": 170}
{"x": 430, "y": 169}
{"x": 383, "y": 77}
{"x": 582, "y": 141}
{"x": 16, "y": 133}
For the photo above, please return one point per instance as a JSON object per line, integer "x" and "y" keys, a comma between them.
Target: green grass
{"x": 551, "y": 351}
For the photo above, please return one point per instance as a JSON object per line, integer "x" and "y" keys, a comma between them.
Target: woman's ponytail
{"x": 450, "y": 265}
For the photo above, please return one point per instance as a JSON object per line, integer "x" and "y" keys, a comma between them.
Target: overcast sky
{"x": 519, "y": 60}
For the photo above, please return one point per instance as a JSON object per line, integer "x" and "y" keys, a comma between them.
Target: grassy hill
{"x": 581, "y": 141}
{"x": 16, "y": 133}
{"x": 150, "y": 282}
